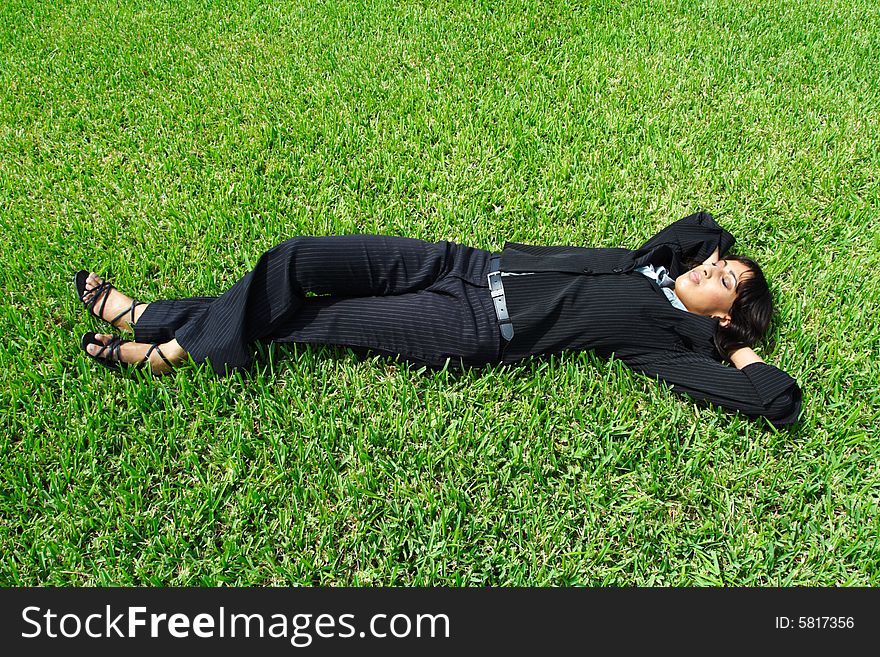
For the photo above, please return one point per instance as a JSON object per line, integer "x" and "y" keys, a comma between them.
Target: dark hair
{"x": 750, "y": 313}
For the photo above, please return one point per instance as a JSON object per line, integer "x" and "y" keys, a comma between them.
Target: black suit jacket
{"x": 563, "y": 298}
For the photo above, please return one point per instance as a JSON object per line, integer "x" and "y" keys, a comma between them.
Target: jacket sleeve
{"x": 757, "y": 390}
{"x": 695, "y": 237}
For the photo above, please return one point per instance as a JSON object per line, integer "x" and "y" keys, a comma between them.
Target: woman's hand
{"x": 744, "y": 356}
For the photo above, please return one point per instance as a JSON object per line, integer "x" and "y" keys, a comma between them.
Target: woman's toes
{"x": 95, "y": 349}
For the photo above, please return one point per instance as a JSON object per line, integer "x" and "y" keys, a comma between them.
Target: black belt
{"x": 497, "y": 290}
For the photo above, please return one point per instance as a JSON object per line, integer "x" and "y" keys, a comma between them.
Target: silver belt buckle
{"x": 496, "y": 289}
{"x": 495, "y": 283}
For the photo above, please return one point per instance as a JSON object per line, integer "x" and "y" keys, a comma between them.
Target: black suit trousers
{"x": 424, "y": 302}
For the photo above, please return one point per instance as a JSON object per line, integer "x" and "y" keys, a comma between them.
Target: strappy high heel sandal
{"x": 101, "y": 291}
{"x": 110, "y": 355}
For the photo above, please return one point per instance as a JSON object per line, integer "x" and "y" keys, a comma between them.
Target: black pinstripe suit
{"x": 430, "y": 302}
{"x": 394, "y": 295}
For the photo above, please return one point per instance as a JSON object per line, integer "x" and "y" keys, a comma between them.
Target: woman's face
{"x": 710, "y": 289}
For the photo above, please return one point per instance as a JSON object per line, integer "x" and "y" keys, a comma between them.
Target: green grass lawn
{"x": 167, "y": 145}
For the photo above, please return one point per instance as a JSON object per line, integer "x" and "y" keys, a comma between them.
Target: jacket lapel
{"x": 662, "y": 255}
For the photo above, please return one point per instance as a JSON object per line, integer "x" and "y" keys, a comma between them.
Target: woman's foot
{"x": 107, "y": 303}
{"x": 111, "y": 350}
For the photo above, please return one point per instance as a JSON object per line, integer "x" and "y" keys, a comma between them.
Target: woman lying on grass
{"x": 673, "y": 309}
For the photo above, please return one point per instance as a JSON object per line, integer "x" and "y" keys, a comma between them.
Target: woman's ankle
{"x": 173, "y": 351}
{"x": 138, "y": 311}
{"x": 167, "y": 356}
